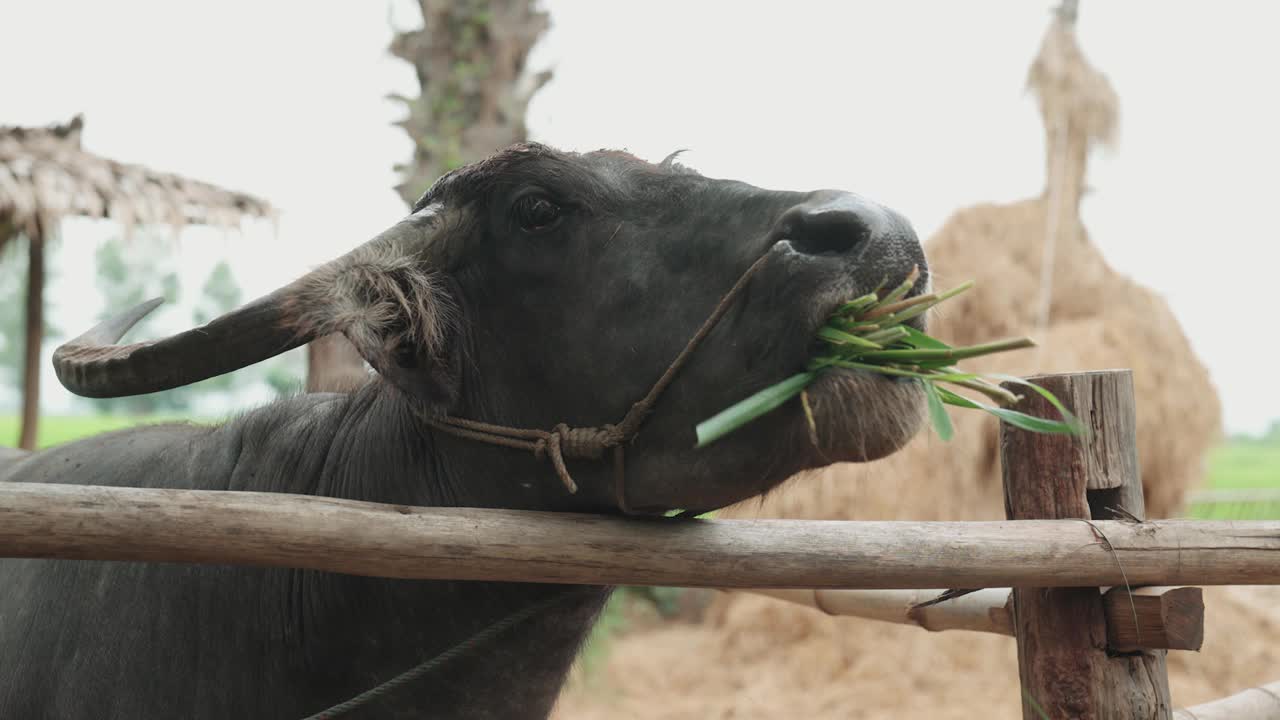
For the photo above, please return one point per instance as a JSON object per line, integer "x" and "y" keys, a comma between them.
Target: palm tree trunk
{"x": 35, "y": 334}
{"x": 470, "y": 57}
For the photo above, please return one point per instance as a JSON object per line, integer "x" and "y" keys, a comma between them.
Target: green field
{"x": 1243, "y": 483}
{"x": 1245, "y": 464}
{"x": 55, "y": 430}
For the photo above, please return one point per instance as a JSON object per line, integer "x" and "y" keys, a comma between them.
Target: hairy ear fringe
{"x": 379, "y": 299}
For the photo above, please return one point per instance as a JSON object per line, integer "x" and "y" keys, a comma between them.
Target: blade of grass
{"x": 922, "y": 308}
{"x": 901, "y": 372}
{"x": 960, "y": 353}
{"x": 887, "y": 336}
{"x": 749, "y": 409}
{"x": 820, "y": 363}
{"x": 881, "y": 310}
{"x": 1067, "y": 415}
{"x": 808, "y": 416}
{"x": 840, "y": 337}
{"x": 915, "y": 338}
{"x": 1019, "y": 420}
{"x": 903, "y": 288}
{"x": 995, "y": 392}
{"x": 857, "y": 304}
{"x": 938, "y": 413}
{"x": 854, "y": 326}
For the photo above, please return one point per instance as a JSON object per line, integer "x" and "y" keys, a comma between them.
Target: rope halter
{"x": 590, "y": 443}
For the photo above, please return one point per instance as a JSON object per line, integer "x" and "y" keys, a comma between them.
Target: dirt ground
{"x": 756, "y": 658}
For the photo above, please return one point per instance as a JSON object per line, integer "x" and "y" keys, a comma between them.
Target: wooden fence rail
{"x": 1258, "y": 703}
{"x": 241, "y": 528}
{"x": 1078, "y": 526}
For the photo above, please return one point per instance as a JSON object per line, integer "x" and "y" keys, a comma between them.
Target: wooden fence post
{"x": 1063, "y": 660}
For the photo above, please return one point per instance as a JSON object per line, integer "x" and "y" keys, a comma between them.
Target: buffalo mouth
{"x": 855, "y": 415}
{"x": 859, "y": 416}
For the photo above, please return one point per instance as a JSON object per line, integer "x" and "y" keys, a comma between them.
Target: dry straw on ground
{"x": 754, "y": 657}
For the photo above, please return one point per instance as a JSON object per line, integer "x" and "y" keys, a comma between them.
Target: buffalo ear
{"x": 399, "y": 315}
{"x": 404, "y": 323}
{"x": 429, "y": 374}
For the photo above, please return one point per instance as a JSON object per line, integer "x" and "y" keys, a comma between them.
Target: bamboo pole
{"x": 1169, "y": 618}
{"x": 981, "y": 611}
{"x": 1258, "y": 703}
{"x": 264, "y": 529}
{"x": 1063, "y": 660}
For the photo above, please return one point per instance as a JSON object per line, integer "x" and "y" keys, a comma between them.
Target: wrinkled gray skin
{"x": 571, "y": 323}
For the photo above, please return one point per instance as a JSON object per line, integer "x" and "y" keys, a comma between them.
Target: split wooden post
{"x": 1064, "y": 665}
{"x": 1154, "y": 617}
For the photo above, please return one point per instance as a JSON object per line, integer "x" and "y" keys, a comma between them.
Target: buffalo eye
{"x": 536, "y": 213}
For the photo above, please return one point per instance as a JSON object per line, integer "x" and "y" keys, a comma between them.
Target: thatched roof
{"x": 45, "y": 175}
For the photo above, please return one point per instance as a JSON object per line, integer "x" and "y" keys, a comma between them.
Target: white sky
{"x": 919, "y": 105}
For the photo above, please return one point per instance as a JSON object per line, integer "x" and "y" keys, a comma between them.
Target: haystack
{"x": 752, "y": 657}
{"x": 45, "y": 175}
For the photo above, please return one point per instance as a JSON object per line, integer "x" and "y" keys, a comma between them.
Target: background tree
{"x": 470, "y": 57}
{"x": 284, "y": 374}
{"x": 128, "y": 273}
{"x": 219, "y": 295}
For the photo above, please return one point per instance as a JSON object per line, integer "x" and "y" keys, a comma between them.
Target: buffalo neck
{"x": 377, "y": 448}
{"x": 371, "y": 445}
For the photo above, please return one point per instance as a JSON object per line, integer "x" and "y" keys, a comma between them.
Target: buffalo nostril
{"x": 829, "y": 231}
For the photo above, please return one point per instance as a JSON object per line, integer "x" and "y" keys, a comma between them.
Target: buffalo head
{"x": 539, "y": 287}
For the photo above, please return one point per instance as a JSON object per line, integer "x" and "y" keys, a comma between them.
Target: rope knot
{"x": 589, "y": 443}
{"x": 563, "y": 441}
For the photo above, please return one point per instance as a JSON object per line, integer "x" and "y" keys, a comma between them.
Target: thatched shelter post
{"x": 34, "y": 335}
{"x": 1064, "y": 663}
{"x": 334, "y": 365}
{"x": 45, "y": 175}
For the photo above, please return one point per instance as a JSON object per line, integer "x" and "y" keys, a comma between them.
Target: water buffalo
{"x": 534, "y": 288}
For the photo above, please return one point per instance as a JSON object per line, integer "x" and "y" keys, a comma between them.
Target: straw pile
{"x": 754, "y": 657}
